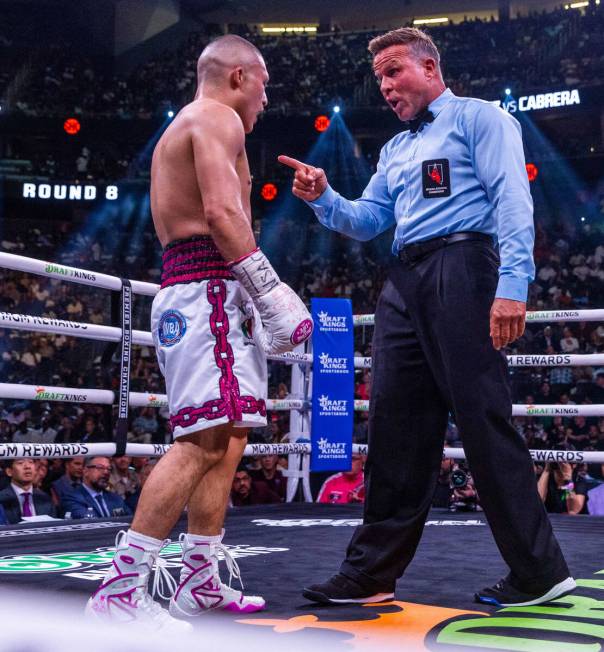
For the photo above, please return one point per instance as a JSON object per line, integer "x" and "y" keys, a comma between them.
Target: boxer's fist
{"x": 284, "y": 316}
{"x": 309, "y": 182}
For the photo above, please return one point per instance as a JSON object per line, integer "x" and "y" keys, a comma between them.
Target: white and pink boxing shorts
{"x": 205, "y": 329}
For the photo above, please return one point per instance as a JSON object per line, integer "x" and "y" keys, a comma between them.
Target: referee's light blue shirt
{"x": 481, "y": 146}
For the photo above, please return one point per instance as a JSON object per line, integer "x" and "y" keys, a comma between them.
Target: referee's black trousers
{"x": 432, "y": 354}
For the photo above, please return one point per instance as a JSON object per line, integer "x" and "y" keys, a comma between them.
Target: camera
{"x": 459, "y": 479}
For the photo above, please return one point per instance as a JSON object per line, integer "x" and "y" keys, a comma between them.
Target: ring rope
{"x": 17, "y": 391}
{"x": 144, "y": 399}
{"x": 532, "y": 316}
{"x": 144, "y": 338}
{"x": 12, "y": 451}
{"x": 96, "y": 279}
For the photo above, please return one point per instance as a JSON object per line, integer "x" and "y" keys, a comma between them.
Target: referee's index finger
{"x": 292, "y": 163}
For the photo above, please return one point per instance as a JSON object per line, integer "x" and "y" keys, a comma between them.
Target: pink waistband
{"x": 193, "y": 259}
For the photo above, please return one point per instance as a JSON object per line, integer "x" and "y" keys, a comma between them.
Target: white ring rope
{"x": 43, "y": 393}
{"x": 530, "y": 360}
{"x": 113, "y": 334}
{"x": 12, "y": 451}
{"x": 73, "y": 328}
{"x": 144, "y": 399}
{"x": 73, "y": 274}
{"x": 527, "y": 410}
{"x": 96, "y": 279}
{"x": 532, "y": 316}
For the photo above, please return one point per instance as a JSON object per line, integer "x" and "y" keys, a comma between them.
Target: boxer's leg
{"x": 208, "y": 502}
{"x": 200, "y": 588}
{"x": 123, "y": 594}
{"x": 176, "y": 477}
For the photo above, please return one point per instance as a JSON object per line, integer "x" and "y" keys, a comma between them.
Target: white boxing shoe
{"x": 200, "y": 589}
{"x": 123, "y": 597}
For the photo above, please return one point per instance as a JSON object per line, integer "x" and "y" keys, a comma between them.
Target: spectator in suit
{"x": 21, "y": 498}
{"x": 70, "y": 480}
{"x": 3, "y": 520}
{"x": 92, "y": 493}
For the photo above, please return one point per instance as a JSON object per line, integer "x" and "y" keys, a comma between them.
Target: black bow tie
{"x": 419, "y": 121}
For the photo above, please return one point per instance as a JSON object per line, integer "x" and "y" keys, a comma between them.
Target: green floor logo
{"x": 567, "y": 624}
{"x": 70, "y": 561}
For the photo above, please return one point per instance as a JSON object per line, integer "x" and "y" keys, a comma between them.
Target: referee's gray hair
{"x": 420, "y": 44}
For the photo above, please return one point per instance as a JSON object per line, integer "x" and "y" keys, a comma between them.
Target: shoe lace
{"x": 118, "y": 538}
{"x": 231, "y": 564}
{"x": 164, "y": 585}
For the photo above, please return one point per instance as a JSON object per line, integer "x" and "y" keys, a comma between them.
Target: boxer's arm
{"x": 218, "y": 139}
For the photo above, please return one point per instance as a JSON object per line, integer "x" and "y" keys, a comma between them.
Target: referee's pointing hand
{"x": 309, "y": 182}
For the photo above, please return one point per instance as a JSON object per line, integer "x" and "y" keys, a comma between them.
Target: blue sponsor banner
{"x": 332, "y": 385}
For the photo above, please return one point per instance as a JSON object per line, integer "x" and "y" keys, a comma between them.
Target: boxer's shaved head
{"x": 223, "y": 55}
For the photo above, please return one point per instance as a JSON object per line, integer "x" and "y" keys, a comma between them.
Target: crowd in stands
{"x": 535, "y": 53}
{"x": 309, "y": 72}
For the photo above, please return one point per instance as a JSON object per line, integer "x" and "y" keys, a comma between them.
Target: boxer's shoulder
{"x": 211, "y": 116}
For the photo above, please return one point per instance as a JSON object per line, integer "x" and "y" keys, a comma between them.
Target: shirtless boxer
{"x": 213, "y": 323}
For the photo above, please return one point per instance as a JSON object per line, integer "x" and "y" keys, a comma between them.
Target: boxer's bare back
{"x": 199, "y": 169}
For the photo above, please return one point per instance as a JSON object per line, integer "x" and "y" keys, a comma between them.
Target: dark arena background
{"x": 87, "y": 87}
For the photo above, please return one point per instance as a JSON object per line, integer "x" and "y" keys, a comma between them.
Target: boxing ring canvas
{"x": 281, "y": 548}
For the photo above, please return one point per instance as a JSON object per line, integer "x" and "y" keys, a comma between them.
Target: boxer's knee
{"x": 210, "y": 446}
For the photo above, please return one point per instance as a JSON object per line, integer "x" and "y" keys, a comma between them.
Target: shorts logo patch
{"x": 247, "y": 323}
{"x": 436, "y": 178}
{"x": 247, "y": 327}
{"x": 172, "y": 327}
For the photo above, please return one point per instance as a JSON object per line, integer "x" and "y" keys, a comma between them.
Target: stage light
{"x": 170, "y": 113}
{"x": 582, "y": 219}
{"x": 71, "y": 126}
{"x": 268, "y": 192}
{"x": 336, "y": 108}
{"x": 508, "y": 91}
{"x": 430, "y": 21}
{"x": 532, "y": 171}
{"x": 321, "y": 123}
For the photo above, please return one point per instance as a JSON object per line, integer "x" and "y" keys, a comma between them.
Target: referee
{"x": 453, "y": 182}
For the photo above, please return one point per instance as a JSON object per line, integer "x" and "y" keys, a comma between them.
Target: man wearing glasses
{"x": 93, "y": 494}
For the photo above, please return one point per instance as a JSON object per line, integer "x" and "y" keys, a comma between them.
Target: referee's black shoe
{"x": 343, "y": 590}
{"x": 503, "y": 594}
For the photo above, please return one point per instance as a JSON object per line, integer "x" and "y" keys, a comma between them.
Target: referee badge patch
{"x": 436, "y": 181}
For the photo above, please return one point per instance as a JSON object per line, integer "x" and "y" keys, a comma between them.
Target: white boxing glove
{"x": 285, "y": 318}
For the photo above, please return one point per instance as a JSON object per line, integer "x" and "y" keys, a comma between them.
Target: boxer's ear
{"x": 236, "y": 78}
